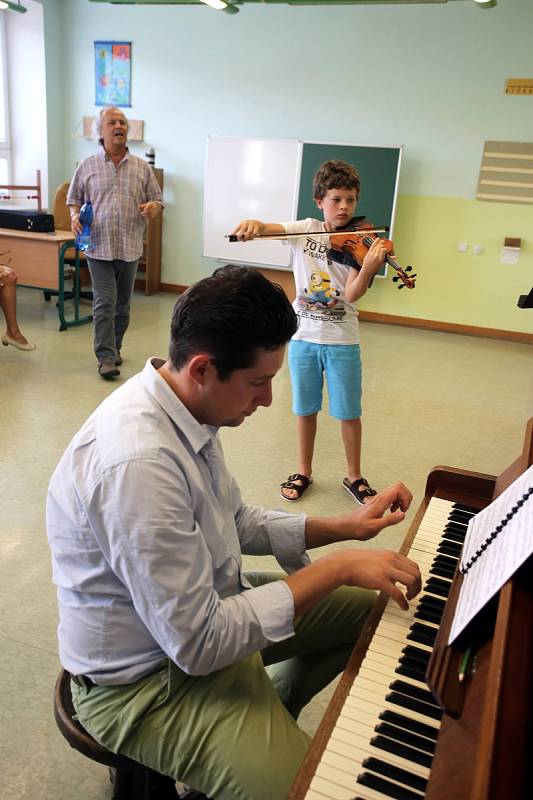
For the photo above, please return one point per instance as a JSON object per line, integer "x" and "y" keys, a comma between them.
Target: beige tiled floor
{"x": 429, "y": 398}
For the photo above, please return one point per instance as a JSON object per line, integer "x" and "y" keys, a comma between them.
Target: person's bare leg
{"x": 352, "y": 432}
{"x": 8, "y": 301}
{"x": 306, "y": 434}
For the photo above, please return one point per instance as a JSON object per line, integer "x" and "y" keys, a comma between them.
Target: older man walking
{"x": 124, "y": 194}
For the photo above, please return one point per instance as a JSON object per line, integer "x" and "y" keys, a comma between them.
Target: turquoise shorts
{"x": 340, "y": 363}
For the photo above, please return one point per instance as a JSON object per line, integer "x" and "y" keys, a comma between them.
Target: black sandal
{"x": 299, "y": 488}
{"x": 360, "y": 490}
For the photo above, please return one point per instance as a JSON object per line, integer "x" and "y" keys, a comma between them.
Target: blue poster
{"x": 112, "y": 61}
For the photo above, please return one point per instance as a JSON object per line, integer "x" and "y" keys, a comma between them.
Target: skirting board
{"x": 415, "y": 322}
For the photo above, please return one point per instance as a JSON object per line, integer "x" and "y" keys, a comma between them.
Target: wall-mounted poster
{"x": 112, "y": 62}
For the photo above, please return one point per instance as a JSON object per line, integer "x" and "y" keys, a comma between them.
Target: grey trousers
{"x": 232, "y": 734}
{"x": 112, "y": 284}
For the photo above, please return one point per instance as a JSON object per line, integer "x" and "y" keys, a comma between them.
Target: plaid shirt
{"x": 115, "y": 193}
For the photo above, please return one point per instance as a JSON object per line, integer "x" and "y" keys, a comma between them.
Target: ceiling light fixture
{"x": 221, "y": 5}
{"x": 5, "y": 4}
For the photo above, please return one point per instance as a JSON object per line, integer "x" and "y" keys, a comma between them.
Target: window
{"x": 5, "y": 144}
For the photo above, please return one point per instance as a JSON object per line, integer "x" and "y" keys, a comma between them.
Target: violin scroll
{"x": 404, "y": 278}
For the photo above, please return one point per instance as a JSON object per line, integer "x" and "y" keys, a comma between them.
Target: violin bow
{"x": 282, "y": 236}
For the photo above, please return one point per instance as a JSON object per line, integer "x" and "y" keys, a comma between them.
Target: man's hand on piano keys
{"x": 383, "y": 570}
{"x": 370, "y": 569}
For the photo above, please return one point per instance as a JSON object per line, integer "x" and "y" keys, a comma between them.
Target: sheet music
{"x": 502, "y": 556}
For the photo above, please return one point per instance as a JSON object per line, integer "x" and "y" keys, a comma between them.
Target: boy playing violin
{"x": 327, "y": 340}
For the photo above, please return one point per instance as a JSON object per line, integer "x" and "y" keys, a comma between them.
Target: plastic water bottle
{"x": 83, "y": 239}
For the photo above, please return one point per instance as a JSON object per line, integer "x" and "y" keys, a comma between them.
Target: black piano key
{"x": 439, "y": 572}
{"x": 411, "y": 672}
{"x": 454, "y": 536}
{"x": 405, "y": 737}
{"x": 442, "y": 570}
{"x": 427, "y": 616}
{"x": 463, "y": 512}
{"x": 387, "y": 788}
{"x": 413, "y": 725}
{"x": 395, "y": 773}
{"x": 414, "y": 691}
{"x": 422, "y": 638}
{"x": 437, "y": 586}
{"x": 467, "y": 509}
{"x": 450, "y": 548}
{"x": 433, "y": 603}
{"x": 426, "y": 630}
{"x": 412, "y": 651}
{"x": 414, "y": 663}
{"x": 459, "y": 520}
{"x": 409, "y": 753}
{"x": 414, "y": 705}
{"x": 446, "y": 561}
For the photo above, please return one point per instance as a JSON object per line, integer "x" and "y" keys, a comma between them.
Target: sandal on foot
{"x": 360, "y": 490}
{"x": 299, "y": 488}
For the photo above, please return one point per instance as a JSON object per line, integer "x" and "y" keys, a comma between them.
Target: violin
{"x": 351, "y": 250}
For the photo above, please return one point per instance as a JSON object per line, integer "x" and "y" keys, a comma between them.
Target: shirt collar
{"x": 198, "y": 435}
{"x": 107, "y": 157}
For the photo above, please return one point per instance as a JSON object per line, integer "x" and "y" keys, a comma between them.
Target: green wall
{"x": 428, "y": 77}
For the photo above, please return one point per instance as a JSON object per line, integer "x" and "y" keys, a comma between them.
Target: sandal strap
{"x": 368, "y": 491}
{"x": 290, "y": 483}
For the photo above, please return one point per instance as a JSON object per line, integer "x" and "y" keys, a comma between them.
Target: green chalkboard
{"x": 378, "y": 169}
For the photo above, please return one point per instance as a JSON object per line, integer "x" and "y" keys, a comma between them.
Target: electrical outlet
{"x": 478, "y": 249}
{"x": 462, "y": 247}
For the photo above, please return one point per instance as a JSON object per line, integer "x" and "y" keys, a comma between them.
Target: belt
{"x": 83, "y": 681}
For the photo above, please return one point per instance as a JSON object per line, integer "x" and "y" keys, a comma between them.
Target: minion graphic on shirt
{"x": 320, "y": 291}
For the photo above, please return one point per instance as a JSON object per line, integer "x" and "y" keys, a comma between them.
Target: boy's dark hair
{"x": 230, "y": 315}
{"x": 335, "y": 175}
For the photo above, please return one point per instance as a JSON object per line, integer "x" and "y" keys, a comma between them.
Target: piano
{"x": 401, "y": 723}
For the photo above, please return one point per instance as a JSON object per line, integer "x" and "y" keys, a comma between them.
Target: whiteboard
{"x": 249, "y": 179}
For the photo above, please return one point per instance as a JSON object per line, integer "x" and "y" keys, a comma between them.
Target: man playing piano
{"x": 179, "y": 659}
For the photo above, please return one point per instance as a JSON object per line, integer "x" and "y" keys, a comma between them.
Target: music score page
{"x": 502, "y": 555}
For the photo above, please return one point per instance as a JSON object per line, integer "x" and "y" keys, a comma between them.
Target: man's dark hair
{"x": 230, "y": 315}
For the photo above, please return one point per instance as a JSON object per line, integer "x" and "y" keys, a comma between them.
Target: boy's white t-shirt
{"x": 326, "y": 317}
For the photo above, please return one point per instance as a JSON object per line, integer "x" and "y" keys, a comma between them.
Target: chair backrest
{"x": 60, "y": 208}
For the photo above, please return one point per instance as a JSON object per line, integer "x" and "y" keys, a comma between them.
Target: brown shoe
{"x": 118, "y": 359}
{"x": 107, "y": 368}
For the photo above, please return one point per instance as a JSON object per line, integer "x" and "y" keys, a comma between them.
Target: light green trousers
{"x": 231, "y": 734}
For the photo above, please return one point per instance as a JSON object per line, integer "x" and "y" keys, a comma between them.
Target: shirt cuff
{"x": 287, "y": 538}
{"x": 273, "y": 605}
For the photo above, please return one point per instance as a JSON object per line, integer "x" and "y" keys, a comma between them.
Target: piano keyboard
{"x": 384, "y": 738}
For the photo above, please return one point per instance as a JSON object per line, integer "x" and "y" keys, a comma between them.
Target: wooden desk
{"x": 39, "y": 261}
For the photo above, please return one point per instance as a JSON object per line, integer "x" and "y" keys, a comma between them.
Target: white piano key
{"x": 329, "y": 790}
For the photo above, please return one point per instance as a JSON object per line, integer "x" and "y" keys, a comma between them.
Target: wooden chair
{"x": 131, "y": 781}
{"x": 62, "y": 223}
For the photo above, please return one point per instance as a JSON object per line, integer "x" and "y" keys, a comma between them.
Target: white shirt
{"x": 147, "y": 557}
{"x": 325, "y": 316}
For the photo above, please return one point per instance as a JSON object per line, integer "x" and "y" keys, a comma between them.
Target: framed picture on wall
{"x": 112, "y": 73}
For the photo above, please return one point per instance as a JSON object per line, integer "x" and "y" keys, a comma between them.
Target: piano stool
{"x": 131, "y": 780}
